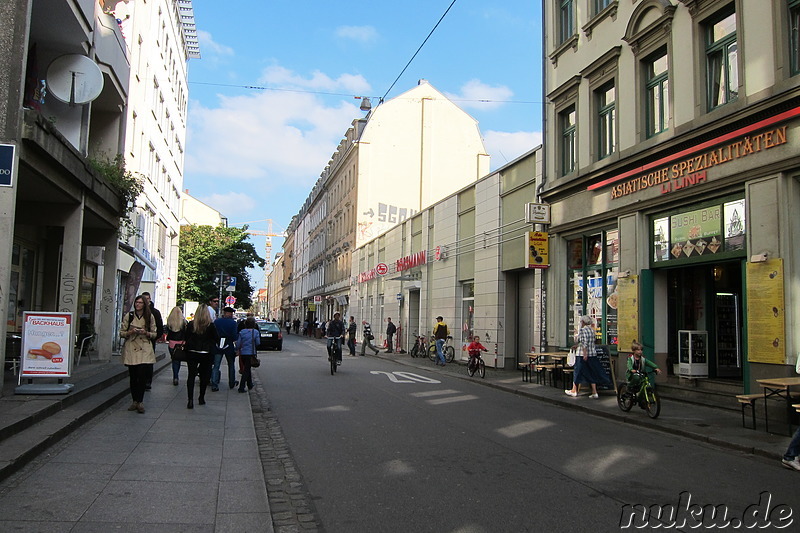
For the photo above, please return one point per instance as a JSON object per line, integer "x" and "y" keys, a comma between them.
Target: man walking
{"x": 390, "y": 331}
{"x": 351, "y": 335}
{"x": 226, "y": 327}
{"x": 156, "y": 314}
{"x": 440, "y": 333}
{"x": 367, "y": 340}
{"x": 213, "y": 305}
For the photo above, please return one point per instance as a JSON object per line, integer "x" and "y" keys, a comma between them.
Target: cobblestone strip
{"x": 290, "y": 503}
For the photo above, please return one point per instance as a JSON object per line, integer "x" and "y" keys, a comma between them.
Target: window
{"x": 606, "y": 109}
{"x": 593, "y": 263}
{"x": 657, "y": 93}
{"x": 721, "y": 60}
{"x": 566, "y": 18}
{"x": 794, "y": 35}
{"x": 567, "y": 119}
{"x": 600, "y": 5}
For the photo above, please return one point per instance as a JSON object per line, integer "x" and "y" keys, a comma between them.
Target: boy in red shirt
{"x": 474, "y": 349}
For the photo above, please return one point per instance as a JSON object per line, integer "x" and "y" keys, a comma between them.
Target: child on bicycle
{"x": 638, "y": 365}
{"x": 474, "y": 349}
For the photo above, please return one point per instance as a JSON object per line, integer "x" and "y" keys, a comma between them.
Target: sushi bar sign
{"x": 690, "y": 167}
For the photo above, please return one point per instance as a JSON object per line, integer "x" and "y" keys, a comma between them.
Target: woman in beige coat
{"x": 138, "y": 329}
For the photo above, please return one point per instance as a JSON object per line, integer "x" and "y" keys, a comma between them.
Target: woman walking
{"x": 201, "y": 338}
{"x": 138, "y": 329}
{"x": 176, "y": 335}
{"x": 588, "y": 369}
{"x": 246, "y": 347}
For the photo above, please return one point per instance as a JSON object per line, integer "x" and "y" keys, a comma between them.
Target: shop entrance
{"x": 705, "y": 318}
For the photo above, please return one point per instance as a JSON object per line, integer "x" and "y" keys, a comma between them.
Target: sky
{"x": 275, "y": 89}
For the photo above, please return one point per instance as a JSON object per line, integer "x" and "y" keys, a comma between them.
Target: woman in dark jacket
{"x": 246, "y": 347}
{"x": 201, "y": 339}
{"x": 176, "y": 335}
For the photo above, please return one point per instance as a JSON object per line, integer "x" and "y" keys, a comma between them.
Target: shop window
{"x": 794, "y": 35}
{"x": 657, "y": 93}
{"x": 467, "y": 312}
{"x": 568, "y": 130}
{"x": 708, "y": 232}
{"x": 606, "y": 120}
{"x": 592, "y": 283}
{"x": 722, "y": 52}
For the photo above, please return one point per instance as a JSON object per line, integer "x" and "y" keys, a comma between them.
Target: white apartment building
{"x": 161, "y": 37}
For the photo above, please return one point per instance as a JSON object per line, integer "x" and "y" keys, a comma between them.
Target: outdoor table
{"x": 782, "y": 388}
{"x": 558, "y": 360}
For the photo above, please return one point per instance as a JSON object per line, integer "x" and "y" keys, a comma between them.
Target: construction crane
{"x": 269, "y": 234}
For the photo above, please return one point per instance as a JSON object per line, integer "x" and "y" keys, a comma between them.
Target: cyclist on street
{"x": 335, "y": 332}
{"x": 474, "y": 349}
{"x": 440, "y": 333}
{"x": 639, "y": 365}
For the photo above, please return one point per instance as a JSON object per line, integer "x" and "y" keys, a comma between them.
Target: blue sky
{"x": 254, "y": 154}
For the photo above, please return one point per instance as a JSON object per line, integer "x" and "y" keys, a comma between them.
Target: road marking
{"x": 452, "y": 399}
{"x": 333, "y": 408}
{"x": 409, "y": 377}
{"x": 434, "y": 393}
{"x": 523, "y": 428}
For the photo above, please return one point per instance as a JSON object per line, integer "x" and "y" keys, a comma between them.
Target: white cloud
{"x": 264, "y": 137}
{"x": 207, "y": 44}
{"x": 477, "y": 95}
{"x": 232, "y": 202}
{"x": 364, "y": 34}
{"x": 279, "y": 76}
{"x": 506, "y": 146}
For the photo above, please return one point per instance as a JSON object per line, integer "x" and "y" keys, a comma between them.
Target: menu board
{"x": 627, "y": 302}
{"x": 766, "y": 333}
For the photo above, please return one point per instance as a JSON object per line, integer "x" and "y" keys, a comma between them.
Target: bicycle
{"x": 334, "y": 353}
{"x": 645, "y": 395}
{"x": 476, "y": 364}
{"x": 419, "y": 346}
{"x": 449, "y": 351}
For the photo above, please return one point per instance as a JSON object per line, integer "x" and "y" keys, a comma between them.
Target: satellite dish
{"x": 74, "y": 79}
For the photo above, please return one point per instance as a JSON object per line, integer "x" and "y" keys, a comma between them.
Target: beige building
{"x": 406, "y": 154}
{"x": 671, "y": 141}
{"x": 195, "y": 212}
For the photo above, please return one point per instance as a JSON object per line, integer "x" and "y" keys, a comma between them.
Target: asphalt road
{"x": 382, "y": 447}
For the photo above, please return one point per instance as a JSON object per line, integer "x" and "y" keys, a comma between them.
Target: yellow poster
{"x": 626, "y": 298}
{"x": 538, "y": 249}
{"x": 766, "y": 333}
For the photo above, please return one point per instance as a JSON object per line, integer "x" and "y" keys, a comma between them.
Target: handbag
{"x": 255, "y": 362}
{"x": 179, "y": 353}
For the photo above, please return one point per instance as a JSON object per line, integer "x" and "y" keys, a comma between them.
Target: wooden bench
{"x": 526, "y": 371}
{"x": 749, "y": 400}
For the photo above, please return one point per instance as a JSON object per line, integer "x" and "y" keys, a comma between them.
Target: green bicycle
{"x": 645, "y": 395}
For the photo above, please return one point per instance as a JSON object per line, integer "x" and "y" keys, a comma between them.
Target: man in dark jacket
{"x": 351, "y": 335}
{"x": 226, "y": 327}
{"x": 156, "y": 314}
{"x": 390, "y": 331}
{"x": 335, "y": 331}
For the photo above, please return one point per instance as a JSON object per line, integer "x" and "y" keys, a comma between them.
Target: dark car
{"x": 271, "y": 337}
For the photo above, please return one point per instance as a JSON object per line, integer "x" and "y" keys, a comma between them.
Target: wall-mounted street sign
{"x": 537, "y": 213}
{"x": 6, "y": 164}
{"x": 537, "y": 249}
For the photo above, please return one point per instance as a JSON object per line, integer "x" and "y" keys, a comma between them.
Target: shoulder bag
{"x": 179, "y": 352}
{"x": 255, "y": 362}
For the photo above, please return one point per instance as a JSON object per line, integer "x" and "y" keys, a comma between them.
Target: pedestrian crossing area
{"x": 445, "y": 396}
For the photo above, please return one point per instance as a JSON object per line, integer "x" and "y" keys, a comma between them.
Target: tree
{"x": 207, "y": 250}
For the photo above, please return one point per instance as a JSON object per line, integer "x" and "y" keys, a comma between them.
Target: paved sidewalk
{"x": 170, "y": 469}
{"x": 715, "y": 426}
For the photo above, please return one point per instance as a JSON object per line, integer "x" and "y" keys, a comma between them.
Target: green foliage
{"x": 127, "y": 186}
{"x": 207, "y": 250}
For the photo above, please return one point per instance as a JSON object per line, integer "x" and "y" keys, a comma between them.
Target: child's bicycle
{"x": 645, "y": 395}
{"x": 418, "y": 350}
{"x": 476, "y": 364}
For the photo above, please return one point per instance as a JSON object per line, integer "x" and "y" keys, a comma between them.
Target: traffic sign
{"x": 381, "y": 269}
{"x": 230, "y": 300}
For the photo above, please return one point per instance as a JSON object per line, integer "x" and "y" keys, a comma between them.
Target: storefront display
{"x": 693, "y": 353}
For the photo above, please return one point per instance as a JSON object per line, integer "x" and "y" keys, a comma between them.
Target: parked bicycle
{"x": 418, "y": 350}
{"x": 334, "y": 353}
{"x": 449, "y": 351}
{"x": 644, "y": 395}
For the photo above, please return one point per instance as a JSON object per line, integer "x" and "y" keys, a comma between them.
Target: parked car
{"x": 271, "y": 336}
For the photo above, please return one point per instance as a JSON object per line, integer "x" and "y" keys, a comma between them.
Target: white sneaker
{"x": 794, "y": 464}
{"x": 594, "y": 396}
{"x": 570, "y": 393}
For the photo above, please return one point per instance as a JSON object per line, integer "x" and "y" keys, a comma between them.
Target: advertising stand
{"x": 47, "y": 345}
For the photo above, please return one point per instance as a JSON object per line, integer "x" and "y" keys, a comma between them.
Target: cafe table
{"x": 558, "y": 360}
{"x": 782, "y": 388}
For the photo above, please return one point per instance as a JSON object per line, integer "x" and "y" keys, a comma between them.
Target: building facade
{"x": 58, "y": 238}
{"x": 465, "y": 258}
{"x": 671, "y": 139}
{"x": 404, "y": 155}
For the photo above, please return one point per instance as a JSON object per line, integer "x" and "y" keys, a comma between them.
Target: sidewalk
{"x": 169, "y": 469}
{"x": 719, "y": 427}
